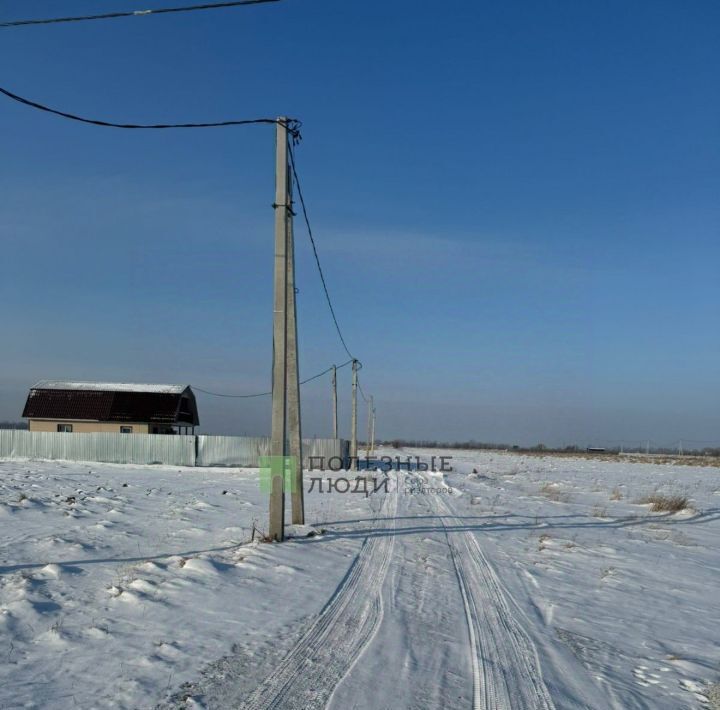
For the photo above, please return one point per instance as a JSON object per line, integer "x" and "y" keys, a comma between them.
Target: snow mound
{"x": 301, "y": 531}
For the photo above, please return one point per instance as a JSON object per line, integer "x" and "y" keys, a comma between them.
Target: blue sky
{"x": 516, "y": 204}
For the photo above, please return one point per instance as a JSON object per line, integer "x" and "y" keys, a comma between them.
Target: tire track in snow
{"x": 307, "y": 676}
{"x": 505, "y": 663}
{"x": 481, "y": 685}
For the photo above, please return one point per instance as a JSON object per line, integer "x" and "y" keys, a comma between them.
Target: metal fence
{"x": 246, "y": 450}
{"x": 231, "y": 450}
{"x": 157, "y": 448}
{"x": 101, "y": 447}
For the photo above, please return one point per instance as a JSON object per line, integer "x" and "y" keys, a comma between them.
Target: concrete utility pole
{"x": 278, "y": 436}
{"x": 334, "y": 398}
{"x": 293, "y": 379}
{"x": 353, "y": 422}
{"x": 368, "y": 442}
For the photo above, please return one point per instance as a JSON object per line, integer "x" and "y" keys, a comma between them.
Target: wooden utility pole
{"x": 334, "y": 398}
{"x": 372, "y": 428}
{"x": 278, "y": 436}
{"x": 293, "y": 380}
{"x": 353, "y": 422}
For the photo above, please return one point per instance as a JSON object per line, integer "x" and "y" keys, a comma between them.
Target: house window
{"x": 155, "y": 430}
{"x": 64, "y": 428}
{"x": 126, "y": 430}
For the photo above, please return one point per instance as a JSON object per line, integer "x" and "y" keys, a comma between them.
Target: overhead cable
{"x": 293, "y": 125}
{"x": 315, "y": 252}
{"x": 133, "y": 13}
{"x": 266, "y": 394}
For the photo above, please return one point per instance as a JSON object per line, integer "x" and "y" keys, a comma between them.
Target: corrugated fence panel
{"x": 323, "y": 450}
{"x": 231, "y": 450}
{"x": 246, "y": 450}
{"x": 100, "y": 447}
{"x": 6, "y": 442}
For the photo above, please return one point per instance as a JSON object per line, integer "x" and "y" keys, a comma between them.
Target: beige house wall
{"x": 88, "y": 427}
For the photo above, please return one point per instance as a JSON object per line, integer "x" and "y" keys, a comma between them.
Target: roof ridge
{"x": 102, "y": 386}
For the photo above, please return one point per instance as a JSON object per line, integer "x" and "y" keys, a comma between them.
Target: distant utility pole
{"x": 278, "y": 438}
{"x": 334, "y": 398}
{"x": 293, "y": 379}
{"x": 371, "y": 427}
{"x": 353, "y": 422}
{"x": 647, "y": 448}
{"x": 680, "y": 447}
{"x": 368, "y": 445}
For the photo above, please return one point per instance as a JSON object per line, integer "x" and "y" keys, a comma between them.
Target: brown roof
{"x": 108, "y": 405}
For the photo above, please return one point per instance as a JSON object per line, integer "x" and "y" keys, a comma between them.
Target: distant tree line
{"x": 494, "y": 446}
{"x": 13, "y": 425}
{"x": 433, "y": 444}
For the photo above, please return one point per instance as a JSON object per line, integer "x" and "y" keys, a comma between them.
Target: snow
{"x": 626, "y": 591}
{"x": 510, "y": 582}
{"x": 109, "y": 386}
{"x": 119, "y": 582}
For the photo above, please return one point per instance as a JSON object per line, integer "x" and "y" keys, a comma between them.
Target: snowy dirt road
{"x": 459, "y": 641}
{"x": 451, "y": 637}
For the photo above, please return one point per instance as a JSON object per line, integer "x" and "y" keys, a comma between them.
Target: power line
{"x": 315, "y": 252}
{"x": 266, "y": 394}
{"x": 324, "y": 372}
{"x": 134, "y": 13}
{"x": 293, "y": 125}
{"x": 319, "y": 266}
{"x": 231, "y": 396}
{"x": 362, "y": 393}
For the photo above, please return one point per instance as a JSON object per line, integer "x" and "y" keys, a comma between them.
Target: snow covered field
{"x": 511, "y": 582}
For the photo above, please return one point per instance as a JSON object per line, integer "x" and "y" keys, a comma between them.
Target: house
{"x": 62, "y": 406}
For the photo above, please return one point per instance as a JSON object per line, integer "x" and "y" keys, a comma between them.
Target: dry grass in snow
{"x": 666, "y": 504}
